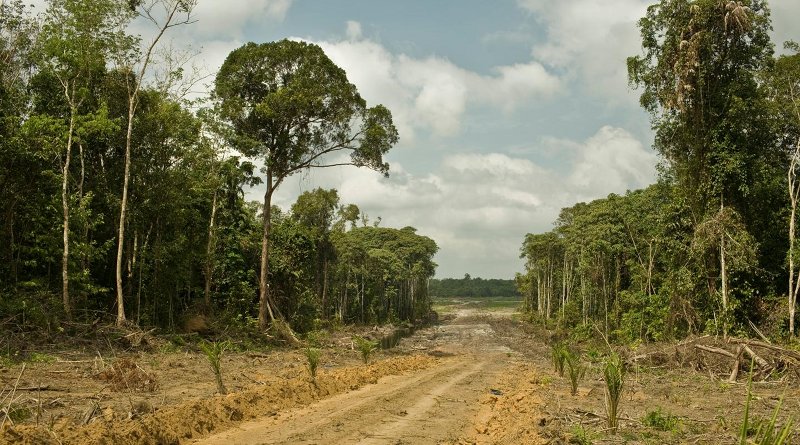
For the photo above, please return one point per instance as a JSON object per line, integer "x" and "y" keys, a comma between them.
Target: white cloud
{"x": 478, "y": 207}
{"x": 433, "y": 93}
{"x": 217, "y": 18}
{"x": 353, "y": 30}
{"x": 590, "y": 39}
{"x": 614, "y": 161}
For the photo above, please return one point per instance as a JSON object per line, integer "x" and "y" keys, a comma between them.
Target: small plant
{"x": 312, "y": 356}
{"x": 660, "y": 420}
{"x": 575, "y": 369}
{"x": 580, "y": 436}
{"x": 764, "y": 432}
{"x": 365, "y": 347}
{"x": 558, "y": 356}
{"x": 614, "y": 376}
{"x": 213, "y": 352}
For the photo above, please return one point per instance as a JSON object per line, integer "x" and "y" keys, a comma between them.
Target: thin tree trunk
{"x": 123, "y": 210}
{"x": 65, "y": 205}
{"x": 724, "y": 273}
{"x": 210, "y": 250}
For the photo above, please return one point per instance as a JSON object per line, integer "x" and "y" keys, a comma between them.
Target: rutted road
{"x": 437, "y": 405}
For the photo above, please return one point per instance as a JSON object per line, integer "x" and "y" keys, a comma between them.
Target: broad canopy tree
{"x": 294, "y": 109}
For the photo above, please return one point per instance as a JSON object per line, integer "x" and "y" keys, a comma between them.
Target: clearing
{"x": 480, "y": 376}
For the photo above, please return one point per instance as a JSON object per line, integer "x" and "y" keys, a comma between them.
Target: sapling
{"x": 312, "y": 356}
{"x": 559, "y": 356}
{"x": 213, "y": 352}
{"x": 575, "y": 369}
{"x": 767, "y": 432}
{"x": 614, "y": 376}
{"x": 365, "y": 346}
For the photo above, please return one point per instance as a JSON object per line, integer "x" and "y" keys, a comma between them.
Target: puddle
{"x": 393, "y": 339}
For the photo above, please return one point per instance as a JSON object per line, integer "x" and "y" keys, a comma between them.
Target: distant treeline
{"x": 472, "y": 287}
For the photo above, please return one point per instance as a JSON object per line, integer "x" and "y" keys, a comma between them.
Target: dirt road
{"x": 437, "y": 405}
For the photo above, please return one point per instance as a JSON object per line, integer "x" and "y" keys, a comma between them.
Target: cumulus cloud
{"x": 478, "y": 206}
{"x": 590, "y": 39}
{"x": 228, "y": 18}
{"x": 432, "y": 93}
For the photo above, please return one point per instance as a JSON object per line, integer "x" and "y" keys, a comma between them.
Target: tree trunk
{"x": 65, "y": 205}
{"x": 794, "y": 193}
{"x": 210, "y": 250}
{"x": 123, "y": 212}
{"x": 724, "y": 273}
{"x": 265, "y": 314}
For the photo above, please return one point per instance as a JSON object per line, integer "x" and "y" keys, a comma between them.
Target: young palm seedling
{"x": 559, "y": 356}
{"x": 575, "y": 369}
{"x": 765, "y": 432}
{"x": 213, "y": 352}
{"x": 614, "y": 376}
{"x": 312, "y": 356}
{"x": 365, "y": 347}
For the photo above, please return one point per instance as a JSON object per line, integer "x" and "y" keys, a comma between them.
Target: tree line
{"x": 711, "y": 246}
{"x": 472, "y": 287}
{"x": 122, "y": 198}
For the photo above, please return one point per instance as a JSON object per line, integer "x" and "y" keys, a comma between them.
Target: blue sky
{"x": 508, "y": 110}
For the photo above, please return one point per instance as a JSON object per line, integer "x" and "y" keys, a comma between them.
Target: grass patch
{"x": 661, "y": 420}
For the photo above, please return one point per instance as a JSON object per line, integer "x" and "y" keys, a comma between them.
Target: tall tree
{"x": 291, "y": 106}
{"x": 163, "y": 14}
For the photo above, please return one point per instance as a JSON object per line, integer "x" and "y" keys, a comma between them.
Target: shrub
{"x": 660, "y": 420}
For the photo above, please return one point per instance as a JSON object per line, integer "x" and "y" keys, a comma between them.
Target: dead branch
{"x": 735, "y": 371}
{"x": 761, "y": 362}
{"x": 715, "y": 350}
{"x": 787, "y": 352}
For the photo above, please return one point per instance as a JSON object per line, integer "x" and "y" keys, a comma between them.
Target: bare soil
{"x": 479, "y": 377}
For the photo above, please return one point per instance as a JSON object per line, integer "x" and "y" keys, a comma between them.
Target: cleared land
{"x": 478, "y": 377}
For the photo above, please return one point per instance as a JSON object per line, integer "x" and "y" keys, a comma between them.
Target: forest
{"x": 711, "y": 247}
{"x": 123, "y": 197}
{"x": 471, "y": 287}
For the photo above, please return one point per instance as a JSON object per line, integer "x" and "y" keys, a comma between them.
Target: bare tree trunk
{"x": 724, "y": 276}
{"x": 65, "y": 205}
{"x": 794, "y": 193}
{"x": 121, "y": 320}
{"x": 210, "y": 250}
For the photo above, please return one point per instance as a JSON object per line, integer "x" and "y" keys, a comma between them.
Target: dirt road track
{"x": 436, "y": 405}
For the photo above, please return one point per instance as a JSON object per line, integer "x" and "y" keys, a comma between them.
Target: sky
{"x": 507, "y": 110}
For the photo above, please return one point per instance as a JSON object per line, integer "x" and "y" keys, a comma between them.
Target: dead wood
{"x": 715, "y": 350}
{"x": 787, "y": 352}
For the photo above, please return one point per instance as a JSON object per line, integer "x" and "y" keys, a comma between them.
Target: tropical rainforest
{"x": 711, "y": 247}
{"x": 124, "y": 198}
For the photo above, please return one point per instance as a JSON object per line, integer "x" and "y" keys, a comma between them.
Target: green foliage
{"x": 614, "y": 378}
{"x": 214, "y": 352}
{"x": 558, "y": 355}
{"x": 660, "y": 420}
{"x": 581, "y": 436}
{"x": 365, "y": 347}
{"x": 763, "y": 431}
{"x": 575, "y": 368}
{"x": 313, "y": 356}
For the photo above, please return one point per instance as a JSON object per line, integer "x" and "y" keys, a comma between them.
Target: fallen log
{"x": 787, "y": 352}
{"x": 715, "y": 350}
